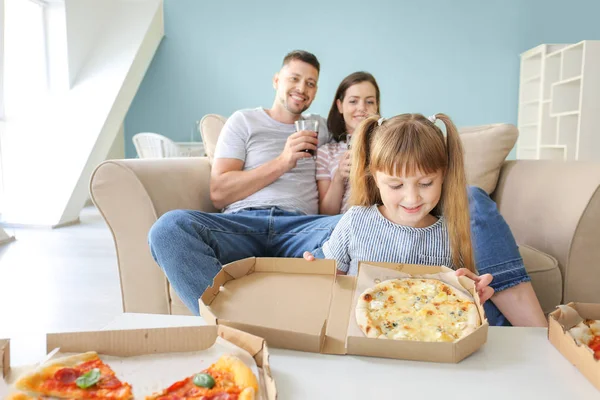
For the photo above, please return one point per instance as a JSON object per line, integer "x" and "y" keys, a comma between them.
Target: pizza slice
{"x": 588, "y": 333}
{"x": 227, "y": 379}
{"x": 81, "y": 376}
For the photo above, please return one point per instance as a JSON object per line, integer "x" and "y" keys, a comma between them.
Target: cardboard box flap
{"x": 4, "y": 356}
{"x": 252, "y": 344}
{"x": 294, "y": 266}
{"x": 298, "y": 303}
{"x": 281, "y": 338}
{"x": 125, "y": 343}
{"x": 339, "y": 315}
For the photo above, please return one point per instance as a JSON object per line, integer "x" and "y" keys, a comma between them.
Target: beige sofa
{"x": 552, "y": 207}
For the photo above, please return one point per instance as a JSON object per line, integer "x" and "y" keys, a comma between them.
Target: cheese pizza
{"x": 416, "y": 309}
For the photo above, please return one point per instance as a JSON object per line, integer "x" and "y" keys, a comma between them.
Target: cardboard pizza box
{"x": 579, "y": 355}
{"x": 156, "y": 341}
{"x": 300, "y": 305}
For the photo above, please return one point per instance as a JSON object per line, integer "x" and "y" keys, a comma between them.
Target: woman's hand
{"x": 343, "y": 170}
{"x": 482, "y": 283}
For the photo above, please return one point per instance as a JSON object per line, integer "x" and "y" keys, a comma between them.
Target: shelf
{"x": 572, "y": 62}
{"x": 567, "y": 81}
{"x": 565, "y": 96}
{"x": 530, "y": 102}
{"x": 532, "y": 78}
{"x": 564, "y": 114}
{"x": 548, "y": 128}
{"x": 561, "y": 50}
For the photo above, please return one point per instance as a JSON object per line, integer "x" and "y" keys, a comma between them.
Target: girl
{"x": 356, "y": 98}
{"x": 410, "y": 197}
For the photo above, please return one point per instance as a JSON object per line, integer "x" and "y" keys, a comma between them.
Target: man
{"x": 264, "y": 180}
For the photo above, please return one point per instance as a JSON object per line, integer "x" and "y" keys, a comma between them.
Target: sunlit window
{"x": 25, "y": 68}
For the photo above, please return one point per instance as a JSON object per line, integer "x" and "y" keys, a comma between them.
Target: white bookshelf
{"x": 559, "y": 102}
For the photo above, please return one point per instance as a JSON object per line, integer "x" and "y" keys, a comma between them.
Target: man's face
{"x": 296, "y": 86}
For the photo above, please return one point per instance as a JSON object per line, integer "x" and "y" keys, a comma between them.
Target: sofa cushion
{"x": 546, "y": 278}
{"x": 486, "y": 148}
{"x": 177, "y": 306}
{"x": 210, "y": 127}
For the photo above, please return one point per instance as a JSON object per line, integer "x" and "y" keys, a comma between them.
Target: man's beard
{"x": 284, "y": 102}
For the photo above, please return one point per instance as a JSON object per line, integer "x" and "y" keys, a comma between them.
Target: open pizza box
{"x": 300, "y": 305}
{"x": 559, "y": 322}
{"x": 153, "y": 359}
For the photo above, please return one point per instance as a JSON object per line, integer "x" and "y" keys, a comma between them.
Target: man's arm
{"x": 229, "y": 183}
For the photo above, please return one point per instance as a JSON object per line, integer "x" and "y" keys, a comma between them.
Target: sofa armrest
{"x": 131, "y": 195}
{"x": 554, "y": 206}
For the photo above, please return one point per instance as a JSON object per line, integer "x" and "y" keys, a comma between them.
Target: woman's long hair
{"x": 335, "y": 120}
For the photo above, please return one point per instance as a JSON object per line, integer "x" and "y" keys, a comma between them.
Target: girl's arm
{"x": 520, "y": 305}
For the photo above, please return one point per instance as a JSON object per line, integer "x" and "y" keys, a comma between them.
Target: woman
{"x": 495, "y": 250}
{"x": 356, "y": 98}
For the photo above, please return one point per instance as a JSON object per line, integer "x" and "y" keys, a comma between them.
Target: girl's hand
{"x": 482, "y": 283}
{"x": 309, "y": 257}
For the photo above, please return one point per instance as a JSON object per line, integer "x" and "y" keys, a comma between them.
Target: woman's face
{"x": 360, "y": 101}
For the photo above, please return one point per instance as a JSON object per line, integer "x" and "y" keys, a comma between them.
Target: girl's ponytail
{"x": 363, "y": 190}
{"x": 455, "y": 201}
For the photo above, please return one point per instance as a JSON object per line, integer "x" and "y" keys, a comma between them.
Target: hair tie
{"x": 432, "y": 118}
{"x": 380, "y": 121}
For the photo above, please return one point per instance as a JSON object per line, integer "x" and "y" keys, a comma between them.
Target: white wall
{"x": 86, "y": 21}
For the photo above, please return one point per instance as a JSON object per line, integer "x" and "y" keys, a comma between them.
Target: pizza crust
{"x": 244, "y": 378}
{"x": 416, "y": 309}
{"x": 242, "y": 375}
{"x": 32, "y": 381}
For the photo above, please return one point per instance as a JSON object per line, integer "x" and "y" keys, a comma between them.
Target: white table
{"x": 515, "y": 363}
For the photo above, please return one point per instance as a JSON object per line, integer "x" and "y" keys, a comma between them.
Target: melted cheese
{"x": 417, "y": 310}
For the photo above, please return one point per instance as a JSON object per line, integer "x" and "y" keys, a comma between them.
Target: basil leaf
{"x": 88, "y": 379}
{"x": 204, "y": 380}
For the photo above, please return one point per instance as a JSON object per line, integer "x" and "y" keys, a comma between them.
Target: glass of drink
{"x": 308, "y": 125}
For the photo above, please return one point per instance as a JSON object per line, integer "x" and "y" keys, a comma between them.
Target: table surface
{"x": 515, "y": 363}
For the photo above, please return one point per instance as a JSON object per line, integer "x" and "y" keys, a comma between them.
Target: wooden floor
{"x": 59, "y": 280}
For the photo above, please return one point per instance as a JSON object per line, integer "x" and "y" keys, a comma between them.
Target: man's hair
{"x": 303, "y": 56}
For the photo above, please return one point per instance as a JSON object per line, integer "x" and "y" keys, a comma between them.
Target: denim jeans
{"x": 191, "y": 246}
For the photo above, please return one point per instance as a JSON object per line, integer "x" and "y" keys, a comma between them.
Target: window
{"x": 25, "y": 68}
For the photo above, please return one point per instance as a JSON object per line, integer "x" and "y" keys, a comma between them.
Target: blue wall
{"x": 458, "y": 57}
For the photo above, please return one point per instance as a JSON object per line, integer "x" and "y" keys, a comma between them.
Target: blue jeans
{"x": 191, "y": 246}
{"x": 495, "y": 250}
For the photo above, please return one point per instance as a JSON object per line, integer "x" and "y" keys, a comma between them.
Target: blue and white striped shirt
{"x": 363, "y": 234}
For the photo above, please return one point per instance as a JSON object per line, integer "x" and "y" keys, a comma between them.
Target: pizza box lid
{"x": 300, "y": 305}
{"x": 559, "y": 322}
{"x": 135, "y": 342}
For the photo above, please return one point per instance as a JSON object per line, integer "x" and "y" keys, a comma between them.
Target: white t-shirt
{"x": 255, "y": 138}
